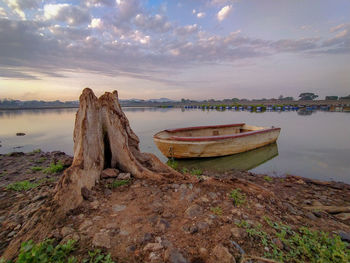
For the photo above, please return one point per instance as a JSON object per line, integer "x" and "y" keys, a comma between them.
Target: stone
{"x": 101, "y": 239}
{"x": 203, "y": 252}
{"x": 124, "y": 176}
{"x": 203, "y": 226}
{"x": 11, "y": 234}
{"x": 107, "y": 192}
{"x": 118, "y": 208}
{"x": 66, "y": 230}
{"x": 163, "y": 225}
{"x": 311, "y": 216}
{"x": 344, "y": 236}
{"x": 222, "y": 255}
{"x": 109, "y": 173}
{"x": 87, "y": 223}
{"x": 343, "y": 216}
{"x": 87, "y": 194}
{"x": 146, "y": 238}
{"x": 153, "y": 247}
{"x": 278, "y": 243}
{"x": 73, "y": 236}
{"x": 193, "y": 211}
{"x": 95, "y": 204}
{"x": 238, "y": 233}
{"x": 174, "y": 256}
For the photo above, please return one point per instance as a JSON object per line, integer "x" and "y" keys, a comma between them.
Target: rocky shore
{"x": 200, "y": 220}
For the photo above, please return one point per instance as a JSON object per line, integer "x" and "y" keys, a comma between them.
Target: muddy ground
{"x": 195, "y": 221}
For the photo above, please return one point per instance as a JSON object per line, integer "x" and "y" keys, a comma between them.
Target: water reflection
{"x": 242, "y": 161}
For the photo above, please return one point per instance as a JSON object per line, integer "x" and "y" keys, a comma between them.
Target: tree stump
{"x": 102, "y": 139}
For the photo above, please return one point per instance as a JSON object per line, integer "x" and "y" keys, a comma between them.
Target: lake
{"x": 313, "y": 145}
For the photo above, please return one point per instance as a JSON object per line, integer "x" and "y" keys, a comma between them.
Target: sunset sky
{"x": 197, "y": 49}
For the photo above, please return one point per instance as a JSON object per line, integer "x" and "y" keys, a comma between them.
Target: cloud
{"x": 99, "y": 3}
{"x": 3, "y": 13}
{"x": 96, "y": 23}
{"x": 224, "y": 12}
{"x": 72, "y": 15}
{"x": 19, "y": 6}
{"x": 185, "y": 30}
{"x": 291, "y": 45}
{"x": 200, "y": 14}
{"x": 154, "y": 23}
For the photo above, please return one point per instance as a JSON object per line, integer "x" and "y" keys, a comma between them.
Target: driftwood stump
{"x": 102, "y": 139}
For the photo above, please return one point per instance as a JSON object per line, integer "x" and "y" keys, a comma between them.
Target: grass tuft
{"x": 237, "y": 197}
{"x": 36, "y": 168}
{"x": 54, "y": 168}
{"x": 118, "y": 183}
{"x": 21, "y": 186}
{"x": 216, "y": 210}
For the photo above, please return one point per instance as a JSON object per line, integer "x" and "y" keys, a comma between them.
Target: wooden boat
{"x": 211, "y": 141}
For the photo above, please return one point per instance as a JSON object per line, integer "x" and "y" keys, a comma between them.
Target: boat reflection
{"x": 242, "y": 161}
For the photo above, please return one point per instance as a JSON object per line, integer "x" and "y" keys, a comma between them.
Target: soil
{"x": 152, "y": 221}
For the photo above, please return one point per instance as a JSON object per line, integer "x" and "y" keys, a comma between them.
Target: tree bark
{"x": 102, "y": 139}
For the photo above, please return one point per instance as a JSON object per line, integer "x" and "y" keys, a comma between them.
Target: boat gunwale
{"x": 203, "y": 127}
{"x": 212, "y": 138}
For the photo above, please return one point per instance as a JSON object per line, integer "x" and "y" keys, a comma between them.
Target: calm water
{"x": 315, "y": 146}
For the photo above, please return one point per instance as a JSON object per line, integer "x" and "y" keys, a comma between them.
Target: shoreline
{"x": 198, "y": 219}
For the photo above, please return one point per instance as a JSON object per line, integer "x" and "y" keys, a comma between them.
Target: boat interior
{"x": 208, "y": 131}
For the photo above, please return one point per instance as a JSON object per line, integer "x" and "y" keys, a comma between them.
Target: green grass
{"x": 118, "y": 183}
{"x": 50, "y": 252}
{"x": 173, "y": 164}
{"x": 302, "y": 244}
{"x": 216, "y": 210}
{"x": 54, "y": 168}
{"x": 237, "y": 197}
{"x": 41, "y": 160}
{"x": 3, "y": 173}
{"x": 196, "y": 172}
{"x": 22, "y": 186}
{"x": 36, "y": 151}
{"x": 185, "y": 170}
{"x": 268, "y": 178}
{"x": 36, "y": 168}
{"x": 97, "y": 257}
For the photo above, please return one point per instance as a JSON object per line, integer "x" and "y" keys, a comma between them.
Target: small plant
{"x": 96, "y": 257}
{"x": 118, "y": 183}
{"x": 196, "y": 172}
{"x": 185, "y": 170}
{"x": 46, "y": 251}
{"x": 173, "y": 164}
{"x": 41, "y": 160}
{"x": 3, "y": 173}
{"x": 36, "y": 151}
{"x": 36, "y": 168}
{"x": 304, "y": 244}
{"x": 21, "y": 186}
{"x": 237, "y": 197}
{"x": 54, "y": 168}
{"x": 216, "y": 210}
{"x": 268, "y": 179}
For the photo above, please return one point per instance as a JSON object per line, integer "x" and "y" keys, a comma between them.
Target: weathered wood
{"x": 103, "y": 139}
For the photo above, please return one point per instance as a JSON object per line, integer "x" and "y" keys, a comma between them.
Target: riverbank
{"x": 239, "y": 215}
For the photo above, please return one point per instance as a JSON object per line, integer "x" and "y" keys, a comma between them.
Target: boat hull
{"x": 215, "y": 146}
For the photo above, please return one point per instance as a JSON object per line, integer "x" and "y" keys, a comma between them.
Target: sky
{"x": 195, "y": 49}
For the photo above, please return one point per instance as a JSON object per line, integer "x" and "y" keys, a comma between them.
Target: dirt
{"x": 191, "y": 221}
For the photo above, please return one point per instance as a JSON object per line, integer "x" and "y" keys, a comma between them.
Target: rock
{"x": 109, "y": 173}
{"x": 222, "y": 255}
{"x": 11, "y": 234}
{"x": 87, "y": 223}
{"x": 87, "y": 194}
{"x": 203, "y": 226}
{"x": 153, "y": 247}
{"x": 238, "y": 233}
{"x": 163, "y": 225}
{"x": 203, "y": 252}
{"x": 344, "y": 236}
{"x": 66, "y": 230}
{"x": 118, "y": 208}
{"x": 124, "y": 176}
{"x": 20, "y": 134}
{"x": 311, "y": 216}
{"x": 154, "y": 257}
{"x": 146, "y": 238}
{"x": 101, "y": 239}
{"x": 73, "y": 236}
{"x": 107, "y": 192}
{"x": 193, "y": 211}
{"x": 95, "y": 204}
{"x": 343, "y": 216}
{"x": 174, "y": 256}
